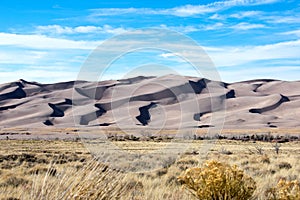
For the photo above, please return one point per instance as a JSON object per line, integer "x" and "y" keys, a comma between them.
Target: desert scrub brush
{"x": 284, "y": 190}
{"x": 218, "y": 181}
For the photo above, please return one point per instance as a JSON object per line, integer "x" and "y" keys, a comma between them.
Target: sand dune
{"x": 156, "y": 102}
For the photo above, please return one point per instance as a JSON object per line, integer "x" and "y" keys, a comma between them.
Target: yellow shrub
{"x": 218, "y": 181}
{"x": 285, "y": 190}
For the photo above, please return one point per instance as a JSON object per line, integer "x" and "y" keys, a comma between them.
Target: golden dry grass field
{"x": 65, "y": 169}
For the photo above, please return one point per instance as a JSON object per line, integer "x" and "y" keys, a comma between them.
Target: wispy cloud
{"x": 294, "y": 32}
{"x": 246, "y": 26}
{"x": 236, "y": 56}
{"x": 245, "y": 14}
{"x": 278, "y": 60}
{"x": 181, "y": 29}
{"x": 57, "y": 29}
{"x": 260, "y": 71}
{"x": 181, "y": 11}
{"x": 283, "y": 19}
{"x": 24, "y": 56}
{"x": 41, "y": 58}
{"x": 44, "y": 42}
{"x": 215, "y": 26}
{"x": 196, "y": 28}
{"x": 39, "y": 75}
{"x": 190, "y": 10}
{"x": 273, "y": 17}
{"x": 217, "y": 16}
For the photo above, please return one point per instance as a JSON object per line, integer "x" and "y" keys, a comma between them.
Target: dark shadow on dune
{"x": 145, "y": 116}
{"x": 271, "y": 107}
{"x": 230, "y": 94}
{"x": 87, "y": 118}
{"x": 257, "y": 80}
{"x": 103, "y": 124}
{"x": 56, "y": 111}
{"x": 59, "y": 108}
{"x": 205, "y": 126}
{"x": 18, "y": 93}
{"x": 162, "y": 94}
{"x": 30, "y": 83}
{"x": 197, "y": 116}
{"x": 256, "y": 87}
{"x": 48, "y": 123}
{"x": 271, "y": 125}
{"x": 92, "y": 93}
{"x": 199, "y": 85}
{"x": 9, "y": 107}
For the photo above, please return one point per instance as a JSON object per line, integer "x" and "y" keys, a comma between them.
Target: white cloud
{"x": 278, "y": 60}
{"x": 245, "y": 14}
{"x": 217, "y": 16}
{"x": 44, "y": 42}
{"x": 24, "y": 57}
{"x": 281, "y": 19}
{"x": 39, "y": 75}
{"x": 257, "y": 72}
{"x": 118, "y": 11}
{"x": 214, "y": 26}
{"x": 189, "y": 29}
{"x": 167, "y": 55}
{"x": 246, "y": 26}
{"x": 114, "y": 31}
{"x": 58, "y": 30}
{"x": 190, "y": 10}
{"x": 294, "y": 32}
{"x": 237, "y": 56}
{"x": 181, "y": 11}
{"x": 85, "y": 29}
{"x": 54, "y": 29}
{"x": 182, "y": 29}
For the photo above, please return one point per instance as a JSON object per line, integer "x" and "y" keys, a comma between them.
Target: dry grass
{"x": 57, "y": 169}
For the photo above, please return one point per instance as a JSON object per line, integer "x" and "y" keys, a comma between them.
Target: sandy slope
{"x": 169, "y": 101}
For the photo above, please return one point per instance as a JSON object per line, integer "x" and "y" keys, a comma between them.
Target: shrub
{"x": 14, "y": 181}
{"x": 225, "y": 151}
{"x": 265, "y": 159}
{"x": 285, "y": 190}
{"x": 215, "y": 181}
{"x": 284, "y": 165}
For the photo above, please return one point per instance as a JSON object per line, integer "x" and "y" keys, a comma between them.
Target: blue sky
{"x": 48, "y": 41}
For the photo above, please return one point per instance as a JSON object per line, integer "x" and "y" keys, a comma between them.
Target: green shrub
{"x": 218, "y": 181}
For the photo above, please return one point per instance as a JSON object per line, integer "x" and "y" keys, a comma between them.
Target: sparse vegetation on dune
{"x": 57, "y": 169}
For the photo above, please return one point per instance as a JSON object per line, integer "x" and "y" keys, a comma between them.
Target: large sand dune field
{"x": 169, "y": 101}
